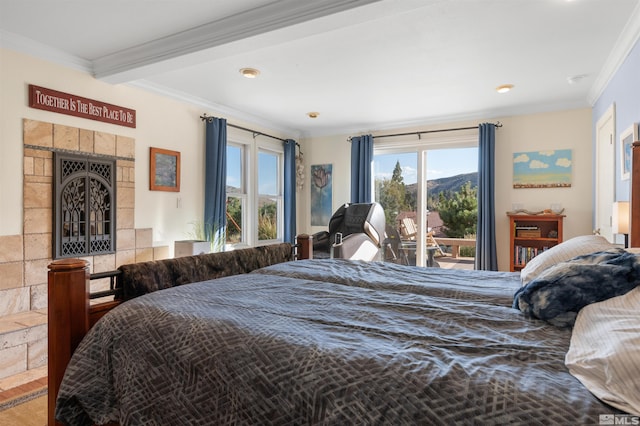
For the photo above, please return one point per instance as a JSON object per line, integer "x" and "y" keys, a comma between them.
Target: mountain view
{"x": 452, "y": 184}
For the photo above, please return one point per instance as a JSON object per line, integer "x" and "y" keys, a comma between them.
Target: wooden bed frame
{"x": 71, "y": 314}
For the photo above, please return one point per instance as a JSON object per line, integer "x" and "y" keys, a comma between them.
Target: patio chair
{"x": 409, "y": 230}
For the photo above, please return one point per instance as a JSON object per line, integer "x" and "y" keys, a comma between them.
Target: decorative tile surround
{"x": 24, "y": 258}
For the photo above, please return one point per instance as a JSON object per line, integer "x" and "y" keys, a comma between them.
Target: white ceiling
{"x": 364, "y": 65}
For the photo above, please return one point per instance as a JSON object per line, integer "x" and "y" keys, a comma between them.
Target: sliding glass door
{"x": 427, "y": 193}
{"x": 397, "y": 190}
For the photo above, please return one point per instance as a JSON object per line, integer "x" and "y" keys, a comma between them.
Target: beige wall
{"x": 161, "y": 122}
{"x": 557, "y": 130}
{"x": 560, "y": 130}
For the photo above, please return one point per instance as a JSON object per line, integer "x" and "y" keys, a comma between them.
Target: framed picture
{"x": 542, "y": 169}
{"x": 321, "y": 194}
{"x": 626, "y": 143}
{"x": 164, "y": 170}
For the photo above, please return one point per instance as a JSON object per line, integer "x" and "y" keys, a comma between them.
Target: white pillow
{"x": 604, "y": 353}
{"x": 564, "y": 251}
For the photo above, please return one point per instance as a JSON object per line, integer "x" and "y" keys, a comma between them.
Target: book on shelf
{"x": 522, "y": 254}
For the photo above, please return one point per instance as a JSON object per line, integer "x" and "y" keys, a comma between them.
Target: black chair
{"x": 356, "y": 231}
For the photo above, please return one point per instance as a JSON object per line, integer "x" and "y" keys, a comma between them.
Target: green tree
{"x": 459, "y": 211}
{"x": 267, "y": 221}
{"x": 396, "y": 176}
{"x": 234, "y": 220}
{"x": 392, "y": 194}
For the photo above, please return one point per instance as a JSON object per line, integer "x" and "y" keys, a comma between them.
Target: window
{"x": 269, "y": 195}
{"x": 254, "y": 191}
{"x": 236, "y": 193}
{"x": 409, "y": 178}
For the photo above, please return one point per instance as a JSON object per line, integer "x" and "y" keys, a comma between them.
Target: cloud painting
{"x": 542, "y": 169}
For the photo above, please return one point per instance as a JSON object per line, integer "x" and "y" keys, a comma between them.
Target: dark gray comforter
{"x": 327, "y": 342}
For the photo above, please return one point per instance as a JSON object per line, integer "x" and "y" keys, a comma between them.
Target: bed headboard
{"x": 137, "y": 279}
{"x": 71, "y": 315}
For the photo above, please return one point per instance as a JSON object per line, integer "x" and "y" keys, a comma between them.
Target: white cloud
{"x": 547, "y": 153}
{"x": 537, "y": 164}
{"x": 563, "y": 162}
{"x": 521, "y": 158}
{"x": 409, "y": 174}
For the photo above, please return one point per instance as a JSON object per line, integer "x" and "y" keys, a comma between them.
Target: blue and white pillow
{"x": 558, "y": 294}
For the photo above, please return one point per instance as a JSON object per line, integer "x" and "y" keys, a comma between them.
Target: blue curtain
{"x": 215, "y": 184}
{"x": 289, "y": 191}
{"x": 361, "y": 159}
{"x": 486, "y": 257}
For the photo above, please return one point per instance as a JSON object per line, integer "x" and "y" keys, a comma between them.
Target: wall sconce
{"x": 620, "y": 220}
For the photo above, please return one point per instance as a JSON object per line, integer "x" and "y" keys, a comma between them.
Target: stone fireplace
{"x": 24, "y": 258}
{"x": 84, "y": 219}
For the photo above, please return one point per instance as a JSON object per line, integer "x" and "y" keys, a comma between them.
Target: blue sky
{"x": 267, "y": 170}
{"x": 440, "y": 163}
{"x": 234, "y": 169}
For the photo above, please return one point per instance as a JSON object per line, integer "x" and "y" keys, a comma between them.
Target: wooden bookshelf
{"x": 530, "y": 235}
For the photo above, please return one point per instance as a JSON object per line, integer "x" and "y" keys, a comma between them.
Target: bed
{"x": 327, "y": 342}
{"x": 331, "y": 341}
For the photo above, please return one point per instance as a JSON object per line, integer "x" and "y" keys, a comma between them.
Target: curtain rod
{"x": 497, "y": 124}
{"x": 255, "y": 132}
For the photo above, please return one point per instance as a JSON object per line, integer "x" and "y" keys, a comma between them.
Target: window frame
{"x": 421, "y": 145}
{"x": 279, "y": 196}
{"x": 242, "y": 194}
{"x": 252, "y": 145}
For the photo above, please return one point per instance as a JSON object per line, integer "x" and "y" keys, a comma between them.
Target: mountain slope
{"x": 452, "y": 184}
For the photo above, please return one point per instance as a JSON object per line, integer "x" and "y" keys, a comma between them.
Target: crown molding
{"x": 120, "y": 67}
{"x": 212, "y": 107}
{"x": 23, "y": 44}
{"x": 626, "y": 41}
{"x": 439, "y": 120}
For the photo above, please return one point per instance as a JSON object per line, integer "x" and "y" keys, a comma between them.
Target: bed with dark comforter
{"x": 327, "y": 342}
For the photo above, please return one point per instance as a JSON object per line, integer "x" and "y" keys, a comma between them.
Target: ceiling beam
{"x": 132, "y": 63}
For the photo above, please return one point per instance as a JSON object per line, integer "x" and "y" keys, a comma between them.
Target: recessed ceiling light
{"x": 249, "y": 72}
{"x": 313, "y": 114}
{"x": 504, "y": 88}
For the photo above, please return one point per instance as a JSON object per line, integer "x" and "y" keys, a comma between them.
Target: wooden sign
{"x": 65, "y": 103}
